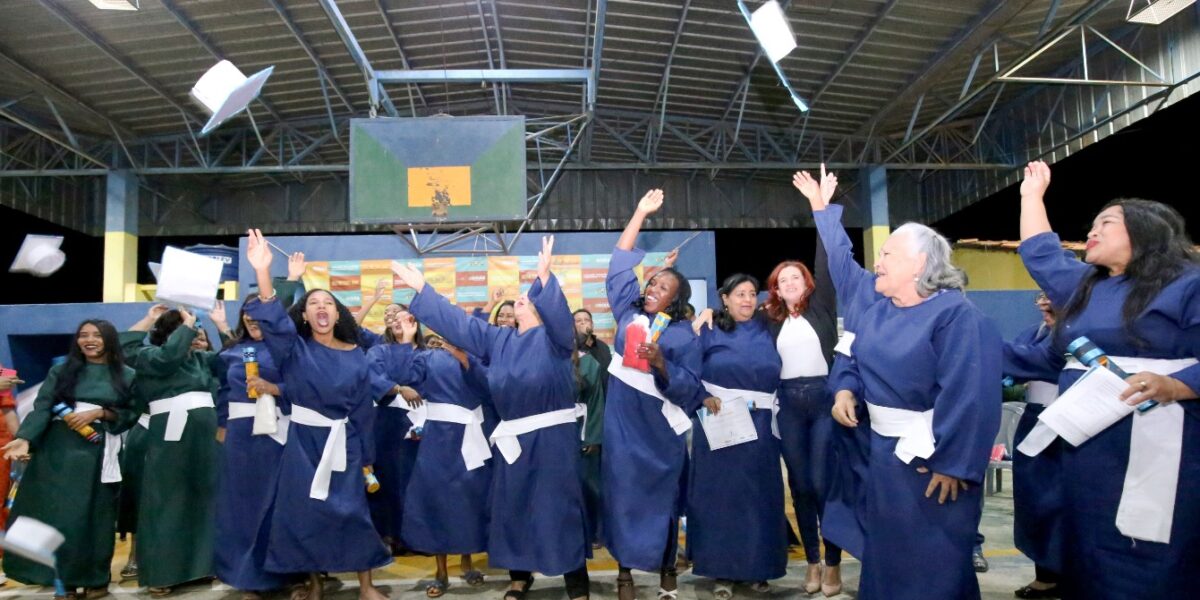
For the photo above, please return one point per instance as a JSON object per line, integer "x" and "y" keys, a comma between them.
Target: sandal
{"x": 723, "y": 590}
{"x": 130, "y": 571}
{"x": 159, "y": 592}
{"x": 519, "y": 594}
{"x": 474, "y": 578}
{"x": 668, "y": 594}
{"x": 437, "y": 589}
{"x": 95, "y": 593}
{"x": 625, "y": 589}
{"x": 669, "y": 576}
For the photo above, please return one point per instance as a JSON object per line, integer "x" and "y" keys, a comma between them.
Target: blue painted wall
{"x": 1012, "y": 310}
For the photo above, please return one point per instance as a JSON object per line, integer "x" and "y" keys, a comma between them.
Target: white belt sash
{"x": 912, "y": 428}
{"x": 759, "y": 400}
{"x": 581, "y": 413}
{"x": 416, "y": 415}
{"x": 1041, "y": 393}
{"x": 644, "y": 383}
{"x": 177, "y": 408}
{"x": 475, "y": 449}
{"x": 110, "y": 465}
{"x": 250, "y": 410}
{"x": 505, "y": 435}
{"x": 144, "y": 421}
{"x": 1147, "y": 506}
{"x": 333, "y": 456}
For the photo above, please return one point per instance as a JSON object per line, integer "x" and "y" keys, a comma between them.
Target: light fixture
{"x": 774, "y": 33}
{"x": 770, "y": 25}
{"x": 1154, "y": 12}
{"x": 224, "y": 91}
{"x": 115, "y": 4}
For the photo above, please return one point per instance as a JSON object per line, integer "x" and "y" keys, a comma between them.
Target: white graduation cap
{"x": 224, "y": 91}
{"x": 40, "y": 255}
{"x": 32, "y": 539}
{"x": 189, "y": 279}
{"x": 770, "y": 25}
{"x": 155, "y": 269}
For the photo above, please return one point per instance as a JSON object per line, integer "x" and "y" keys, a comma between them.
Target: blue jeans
{"x": 806, "y": 426}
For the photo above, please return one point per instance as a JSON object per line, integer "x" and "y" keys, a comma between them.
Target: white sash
{"x": 760, "y": 400}
{"x": 144, "y": 421}
{"x": 475, "y": 449}
{"x": 177, "y": 408}
{"x": 505, "y": 435}
{"x": 333, "y": 456}
{"x": 914, "y": 428}
{"x": 1147, "y": 507}
{"x": 644, "y": 383}
{"x": 581, "y": 413}
{"x": 416, "y": 415}
{"x": 110, "y": 466}
{"x": 845, "y": 345}
{"x": 1041, "y": 393}
{"x": 249, "y": 410}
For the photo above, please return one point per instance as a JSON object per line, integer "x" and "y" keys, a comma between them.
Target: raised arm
{"x": 436, "y": 312}
{"x": 854, "y": 285}
{"x": 1033, "y": 206}
{"x": 551, "y": 304}
{"x": 380, "y": 288}
{"x": 163, "y": 360}
{"x": 648, "y": 205}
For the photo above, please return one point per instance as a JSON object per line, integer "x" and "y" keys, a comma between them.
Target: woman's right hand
{"x": 844, "y": 405}
{"x": 17, "y": 449}
{"x": 818, "y": 193}
{"x": 410, "y": 275}
{"x": 411, "y": 396}
{"x": 1037, "y": 180}
{"x": 408, "y": 329}
{"x": 189, "y": 318}
{"x": 713, "y": 404}
{"x": 704, "y": 318}
{"x": 156, "y": 311}
{"x": 258, "y": 253}
{"x": 651, "y": 202}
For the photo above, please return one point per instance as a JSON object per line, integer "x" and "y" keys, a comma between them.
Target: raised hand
{"x": 156, "y": 311}
{"x": 672, "y": 256}
{"x": 380, "y": 288}
{"x": 497, "y": 295}
{"x": 189, "y": 318}
{"x": 410, "y": 275}
{"x": 545, "y": 258}
{"x": 296, "y": 266}
{"x": 258, "y": 253}
{"x": 829, "y": 183}
{"x": 702, "y": 320}
{"x": 217, "y": 314}
{"x": 408, "y": 329}
{"x": 810, "y": 188}
{"x": 651, "y": 202}
{"x": 1037, "y": 179}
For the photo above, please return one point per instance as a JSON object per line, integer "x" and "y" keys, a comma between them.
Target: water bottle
{"x": 250, "y": 360}
{"x": 61, "y": 410}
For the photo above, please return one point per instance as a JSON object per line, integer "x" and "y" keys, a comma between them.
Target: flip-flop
{"x": 437, "y": 589}
{"x": 474, "y": 578}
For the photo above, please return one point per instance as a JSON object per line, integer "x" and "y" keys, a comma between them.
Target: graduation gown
{"x": 177, "y": 501}
{"x": 1038, "y": 527}
{"x": 1099, "y": 561}
{"x": 643, "y": 456}
{"x": 736, "y": 525}
{"x": 61, "y": 485}
{"x": 395, "y": 457}
{"x": 306, "y": 534}
{"x": 249, "y": 469}
{"x": 537, "y": 517}
{"x": 445, "y": 505}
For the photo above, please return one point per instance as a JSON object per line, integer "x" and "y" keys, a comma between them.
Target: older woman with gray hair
{"x": 927, "y": 363}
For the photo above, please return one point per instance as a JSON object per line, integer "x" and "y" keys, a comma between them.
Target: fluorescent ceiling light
{"x": 115, "y": 4}
{"x": 770, "y": 25}
{"x": 1154, "y": 12}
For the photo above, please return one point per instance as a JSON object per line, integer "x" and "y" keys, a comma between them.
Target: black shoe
{"x": 1032, "y": 592}
{"x": 979, "y": 562}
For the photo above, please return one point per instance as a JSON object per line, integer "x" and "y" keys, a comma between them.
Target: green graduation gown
{"x": 175, "y": 522}
{"x": 61, "y": 486}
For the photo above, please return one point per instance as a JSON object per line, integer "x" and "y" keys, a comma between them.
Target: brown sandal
{"x": 159, "y": 592}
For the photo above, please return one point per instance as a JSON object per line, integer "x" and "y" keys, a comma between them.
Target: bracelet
{"x": 266, "y": 298}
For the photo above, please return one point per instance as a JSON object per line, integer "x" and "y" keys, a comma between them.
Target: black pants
{"x": 1045, "y": 575}
{"x": 577, "y": 581}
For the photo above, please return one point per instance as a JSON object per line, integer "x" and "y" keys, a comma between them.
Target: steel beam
{"x": 399, "y": 50}
{"x": 308, "y": 49}
{"x": 597, "y": 50}
{"x": 28, "y": 124}
{"x": 46, "y": 87}
{"x": 379, "y": 96}
{"x": 484, "y": 75}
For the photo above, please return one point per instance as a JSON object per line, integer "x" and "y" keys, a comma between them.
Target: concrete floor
{"x": 404, "y": 579}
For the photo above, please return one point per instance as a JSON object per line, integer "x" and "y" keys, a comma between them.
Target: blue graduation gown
{"x": 1038, "y": 529}
{"x": 643, "y": 457}
{"x": 445, "y": 505}
{"x": 395, "y": 453}
{"x": 1100, "y": 562}
{"x": 537, "y": 517}
{"x": 736, "y": 525}
{"x": 335, "y": 534}
{"x": 945, "y": 355}
{"x": 249, "y": 471}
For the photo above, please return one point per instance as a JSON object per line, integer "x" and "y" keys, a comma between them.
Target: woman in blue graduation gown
{"x": 319, "y": 520}
{"x": 928, "y": 364}
{"x": 537, "y": 516}
{"x": 396, "y": 439}
{"x": 1132, "y": 490}
{"x": 445, "y": 505}
{"x": 644, "y": 415}
{"x": 1037, "y": 480}
{"x": 737, "y": 531}
{"x": 250, "y": 462}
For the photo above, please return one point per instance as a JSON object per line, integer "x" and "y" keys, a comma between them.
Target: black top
{"x": 821, "y": 312}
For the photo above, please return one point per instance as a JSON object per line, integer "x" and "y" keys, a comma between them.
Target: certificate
{"x": 730, "y": 427}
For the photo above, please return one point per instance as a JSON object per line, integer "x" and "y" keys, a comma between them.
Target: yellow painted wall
{"x": 993, "y": 269}
{"x": 120, "y": 265}
{"x": 873, "y": 239}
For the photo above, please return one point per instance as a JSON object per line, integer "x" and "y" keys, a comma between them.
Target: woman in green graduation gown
{"x": 70, "y": 482}
{"x": 176, "y": 511}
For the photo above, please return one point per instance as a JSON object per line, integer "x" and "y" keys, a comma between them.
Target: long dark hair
{"x": 390, "y": 338}
{"x": 677, "y": 310}
{"x": 164, "y": 326}
{"x": 344, "y": 330}
{"x": 68, "y": 377}
{"x": 1160, "y": 252}
{"x": 239, "y": 333}
{"x": 723, "y": 319}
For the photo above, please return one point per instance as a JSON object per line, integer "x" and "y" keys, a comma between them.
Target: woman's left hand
{"x": 949, "y": 486}
{"x": 1152, "y": 386}
{"x": 545, "y": 258}
{"x": 653, "y": 355}
{"x": 78, "y": 419}
{"x": 262, "y": 386}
